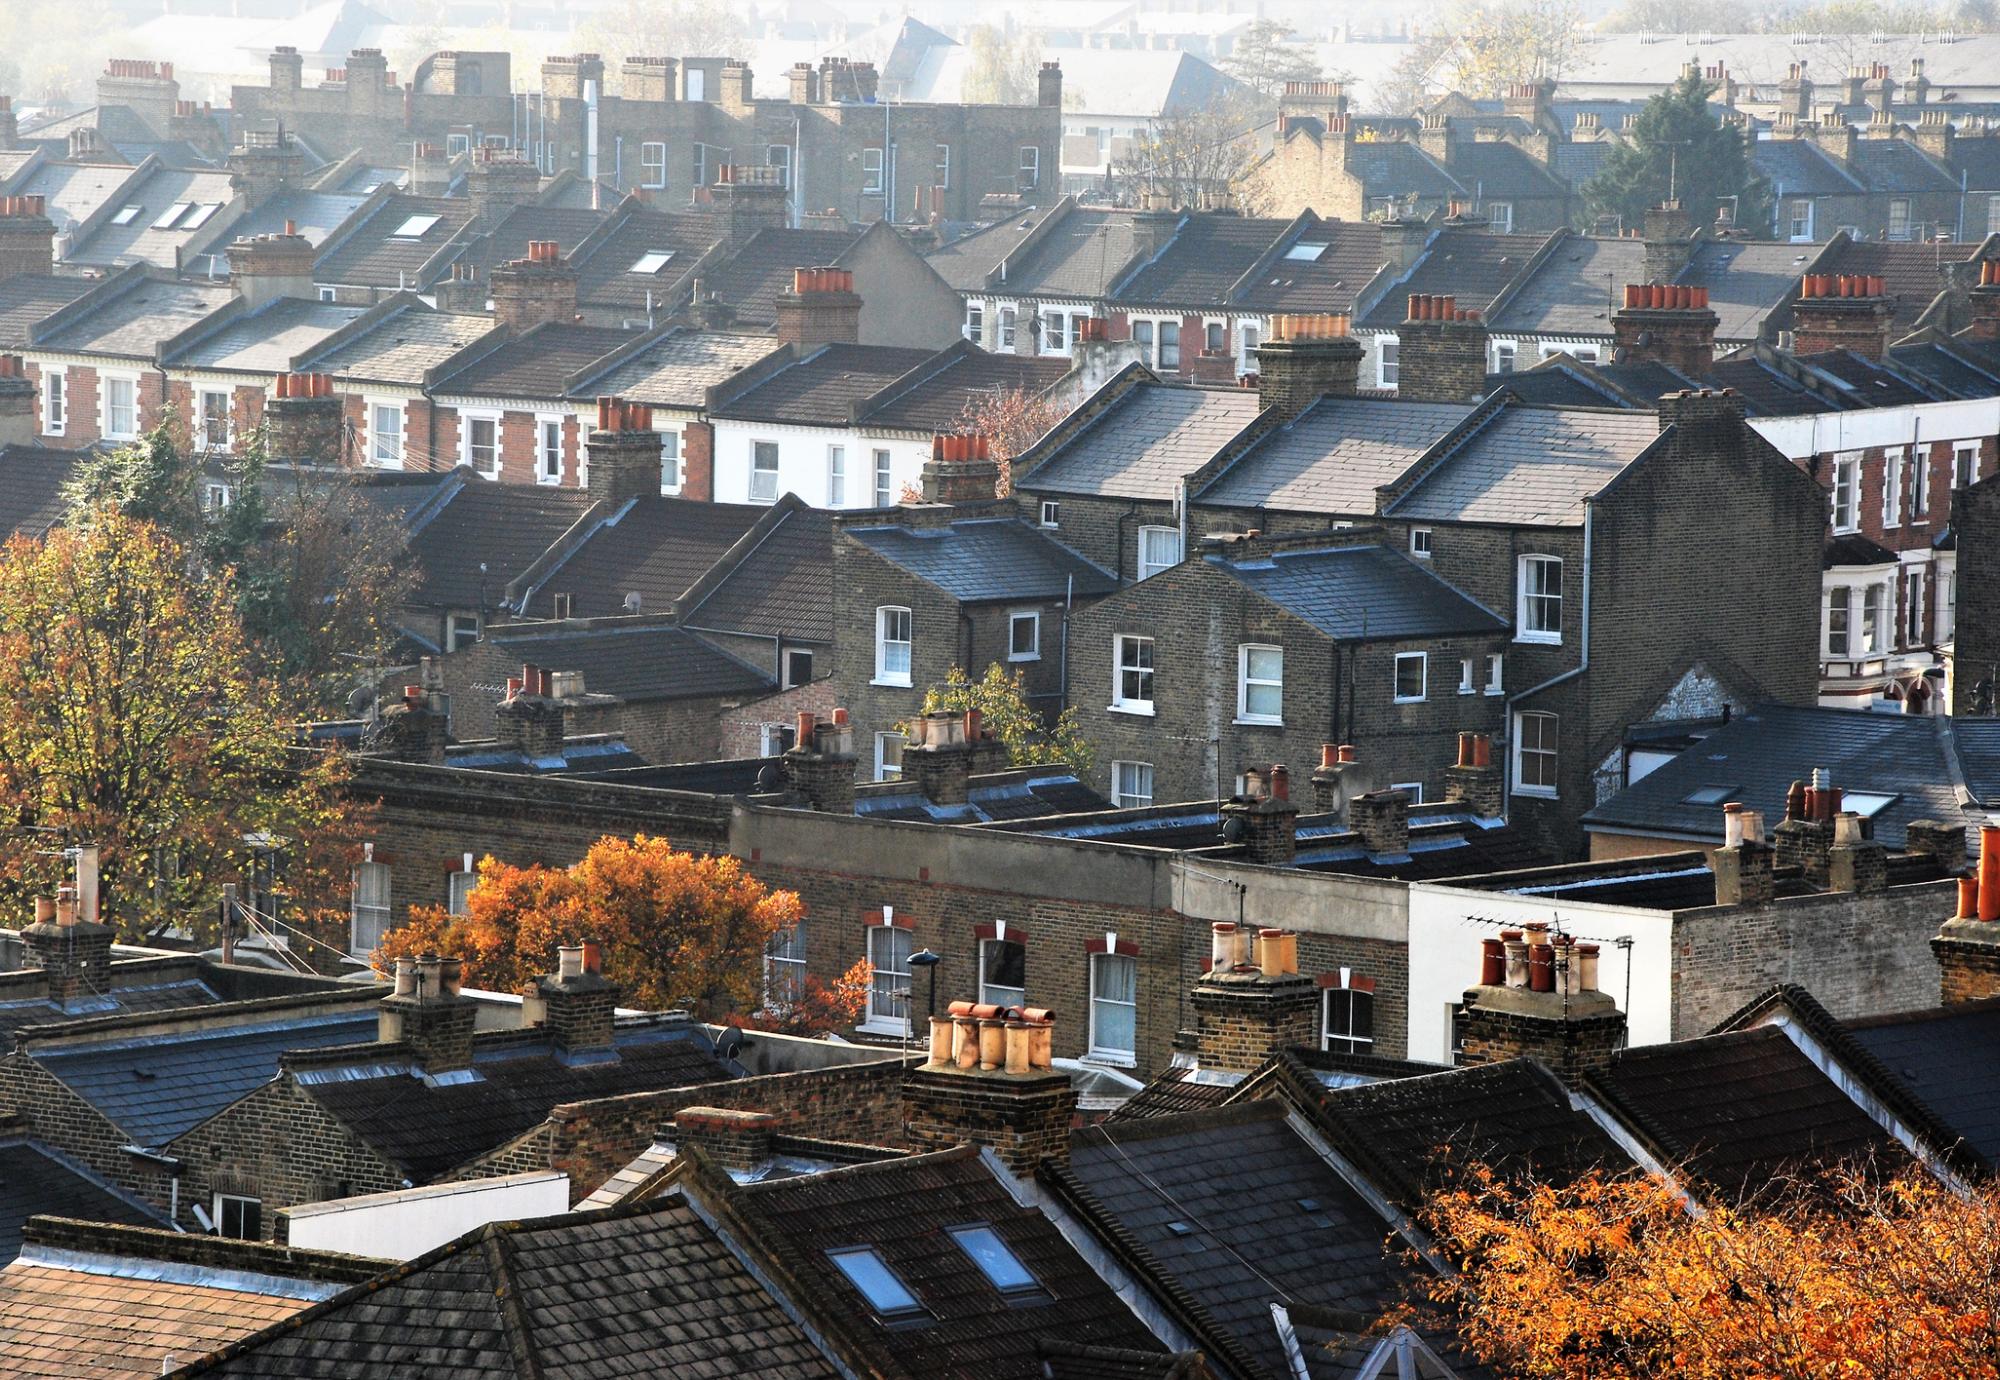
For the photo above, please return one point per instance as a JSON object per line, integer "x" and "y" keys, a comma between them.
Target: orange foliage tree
{"x": 816, "y": 1007}
{"x": 1847, "y": 1277}
{"x": 677, "y": 930}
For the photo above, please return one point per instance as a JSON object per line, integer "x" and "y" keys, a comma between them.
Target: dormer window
{"x": 870, "y": 1274}
{"x": 416, "y": 227}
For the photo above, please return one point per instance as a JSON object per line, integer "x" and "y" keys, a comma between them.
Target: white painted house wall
{"x": 403, "y": 1225}
{"x": 804, "y": 463}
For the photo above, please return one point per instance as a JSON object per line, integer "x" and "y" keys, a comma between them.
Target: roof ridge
{"x": 507, "y": 1299}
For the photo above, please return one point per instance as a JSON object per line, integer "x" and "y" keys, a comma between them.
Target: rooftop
{"x": 1531, "y": 466}
{"x": 1360, "y": 593}
{"x": 654, "y": 547}
{"x": 983, "y": 559}
{"x": 1143, "y": 442}
{"x": 823, "y": 387}
{"x": 1331, "y": 457}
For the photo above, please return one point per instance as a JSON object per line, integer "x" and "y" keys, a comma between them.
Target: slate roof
{"x": 31, "y": 488}
{"x": 268, "y": 342}
{"x": 1362, "y": 593}
{"x": 74, "y": 190}
{"x": 655, "y": 547}
{"x": 132, "y": 322}
{"x": 1746, "y": 280}
{"x": 1021, "y": 793}
{"x": 505, "y": 526}
{"x": 156, "y": 1086}
{"x": 1079, "y": 259}
{"x": 1739, "y": 1109}
{"x": 1330, "y": 458}
{"x": 1943, "y": 1058}
{"x": 28, "y": 297}
{"x": 779, "y": 588}
{"x": 680, "y": 368}
{"x": 1914, "y": 272}
{"x": 1472, "y": 265}
{"x": 508, "y": 240}
{"x": 750, "y": 280}
{"x": 1172, "y": 1092}
{"x": 1890, "y": 166}
{"x": 1202, "y": 261}
{"x": 428, "y": 1130}
{"x": 138, "y": 241}
{"x": 37, "y": 1181}
{"x": 16, "y": 1016}
{"x": 370, "y": 254}
{"x": 642, "y": 1290}
{"x": 604, "y": 274}
{"x": 1531, "y": 466}
{"x": 402, "y": 346}
{"x": 984, "y": 559}
{"x": 903, "y": 1208}
{"x": 1500, "y": 171}
{"x": 1760, "y": 752}
{"x": 1332, "y": 282}
{"x": 1573, "y": 290}
{"x": 957, "y": 382}
{"x": 1398, "y": 168}
{"x": 1798, "y": 168}
{"x": 534, "y": 364}
{"x": 824, "y": 387}
{"x": 652, "y": 662}
{"x": 1144, "y": 442}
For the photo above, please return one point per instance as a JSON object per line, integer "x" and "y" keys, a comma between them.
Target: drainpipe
{"x": 1118, "y": 557}
{"x": 1583, "y": 661}
{"x": 1062, "y": 672}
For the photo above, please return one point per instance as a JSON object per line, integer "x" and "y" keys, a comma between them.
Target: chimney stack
{"x": 27, "y": 237}
{"x": 820, "y": 309}
{"x": 303, "y": 420}
{"x": 1670, "y": 240}
{"x": 430, "y": 170}
{"x": 821, "y": 763}
{"x": 416, "y": 728}
{"x": 1842, "y": 311}
{"x": 990, "y": 1081}
{"x": 265, "y": 268}
{"x": 1855, "y": 862}
{"x": 961, "y": 469}
{"x": 1305, "y": 359}
{"x": 1252, "y": 1001}
{"x": 737, "y": 1141}
{"x": 940, "y": 755}
{"x": 73, "y": 952}
{"x": 1339, "y": 778}
{"x": 1441, "y": 352}
{"x": 749, "y": 198}
{"x": 1382, "y": 819}
{"x": 1743, "y": 865}
{"x": 625, "y": 452}
{"x": 1475, "y": 778}
{"x": 577, "y": 1005}
{"x": 1985, "y": 297}
{"x": 1967, "y": 948}
{"x": 1805, "y": 835}
{"x": 1049, "y": 86}
{"x": 428, "y": 1013}
{"x": 1537, "y": 998}
{"x": 498, "y": 181}
{"x": 1266, "y": 823}
{"x": 1097, "y": 358}
{"x": 266, "y": 162}
{"x": 530, "y": 720}
{"x": 10, "y": 125}
{"x": 1665, "y": 323}
{"x": 535, "y": 290}
{"x": 1934, "y": 839}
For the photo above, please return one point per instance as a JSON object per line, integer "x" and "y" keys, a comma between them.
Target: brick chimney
{"x": 1665, "y": 323}
{"x": 1049, "y": 86}
{"x": 1795, "y": 93}
{"x": 735, "y": 1139}
{"x": 576, "y": 1005}
{"x": 428, "y": 1013}
{"x": 649, "y": 78}
{"x": 499, "y": 181}
{"x": 530, "y": 720}
{"x": 1253, "y": 1001}
{"x": 1339, "y": 778}
{"x": 1096, "y": 358}
{"x": 1669, "y": 230}
{"x": 1305, "y": 359}
{"x": 1855, "y": 862}
{"x": 961, "y": 469}
{"x": 535, "y": 290}
{"x": 27, "y": 237}
{"x": 1266, "y": 823}
{"x": 10, "y": 124}
{"x": 749, "y": 198}
{"x": 147, "y": 89}
{"x": 1917, "y": 90}
{"x": 1475, "y": 778}
{"x": 264, "y": 268}
{"x": 430, "y": 170}
{"x": 1382, "y": 819}
{"x": 303, "y": 421}
{"x": 821, "y": 309}
{"x": 1537, "y": 998}
{"x": 1804, "y": 838}
{"x": 940, "y": 755}
{"x": 462, "y": 291}
{"x": 416, "y": 727}
{"x": 624, "y": 452}
{"x": 17, "y": 403}
{"x": 1933, "y": 134}
{"x": 802, "y": 84}
{"x": 1742, "y": 866}
{"x": 73, "y": 953}
{"x": 1935, "y": 839}
{"x": 1842, "y": 311}
{"x": 989, "y": 1081}
{"x": 820, "y": 765}
{"x": 265, "y": 162}
{"x": 1967, "y": 948}
{"x": 1985, "y": 299}
{"x": 1442, "y": 352}
{"x": 1533, "y": 103}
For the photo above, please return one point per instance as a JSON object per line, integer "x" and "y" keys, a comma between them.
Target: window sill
{"x": 1540, "y": 639}
{"x": 1536, "y": 792}
{"x": 1467, "y": 690}
{"x": 1110, "y": 1060}
{"x": 1144, "y": 711}
{"x": 1494, "y": 690}
{"x": 1248, "y": 721}
{"x": 891, "y": 684}
{"x": 1033, "y": 656}
{"x": 1409, "y": 699}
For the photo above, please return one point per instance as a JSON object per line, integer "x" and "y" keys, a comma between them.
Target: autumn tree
{"x": 1615, "y": 1278}
{"x": 1265, "y": 57}
{"x": 678, "y": 930}
{"x": 1011, "y": 419}
{"x": 1002, "y": 701}
{"x": 1678, "y": 147}
{"x": 133, "y": 717}
{"x": 814, "y": 1007}
{"x": 1002, "y": 67}
{"x": 1481, "y": 47}
{"x": 1195, "y": 157}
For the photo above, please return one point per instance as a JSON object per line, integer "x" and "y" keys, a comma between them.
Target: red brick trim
{"x": 872, "y": 917}
{"x": 1125, "y": 946}
{"x": 1016, "y": 934}
{"x": 1355, "y": 982}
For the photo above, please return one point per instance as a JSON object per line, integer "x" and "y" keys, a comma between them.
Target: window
{"x": 941, "y": 174}
{"x": 1893, "y": 460}
{"x": 1024, "y": 637}
{"x": 1494, "y": 662}
{"x": 549, "y": 450}
{"x": 1964, "y": 464}
{"x": 456, "y": 144}
{"x": 126, "y": 215}
{"x": 871, "y": 172}
{"x": 1347, "y": 1019}
{"x": 1159, "y": 549}
{"x": 763, "y": 471}
{"x": 1132, "y": 685}
{"x": 1260, "y": 684}
{"x": 369, "y": 908}
{"x": 1411, "y": 671}
{"x": 1420, "y": 543}
{"x": 892, "y": 646}
{"x": 1871, "y": 619}
{"x": 888, "y": 756}
{"x": 1248, "y": 336}
{"x": 215, "y": 497}
{"x": 1535, "y": 753}
{"x": 165, "y": 220}
{"x": 700, "y": 150}
{"x": 482, "y": 445}
{"x": 651, "y": 262}
{"x": 1386, "y": 348}
{"x": 1114, "y": 1007}
{"x": 1307, "y": 251}
{"x": 1899, "y": 218}
{"x": 239, "y": 1219}
{"x": 1005, "y": 344}
{"x": 885, "y": 493}
{"x": 1142, "y": 336}
{"x": 1055, "y": 333}
{"x": 798, "y": 667}
{"x": 1913, "y": 607}
{"x": 995, "y": 1259}
{"x": 696, "y": 85}
{"x": 214, "y": 425}
{"x": 461, "y": 630}
{"x": 1839, "y": 610}
{"x": 563, "y": 605}
{"x": 670, "y": 462}
{"x": 1799, "y": 217}
{"x": 1846, "y": 491}
{"x": 1920, "y": 484}
{"x": 1215, "y": 338}
{"x": 1003, "y": 967}
{"x": 328, "y": 294}
{"x": 1539, "y": 616}
{"x": 779, "y": 156}
{"x": 55, "y": 402}
{"x": 889, "y": 979}
{"x": 1170, "y": 344}
{"x": 385, "y": 435}
{"x": 876, "y": 1282}
{"x": 121, "y": 408}
{"x": 200, "y": 215}
{"x": 1031, "y": 167}
{"x": 975, "y": 323}
{"x": 1051, "y": 513}
{"x": 774, "y": 740}
{"x": 458, "y": 889}
{"x": 415, "y": 228}
{"x": 1132, "y": 785}
{"x": 785, "y": 966}
{"x": 1505, "y": 353}
{"x": 1465, "y": 685}
{"x": 1500, "y": 216}
{"x": 836, "y": 476}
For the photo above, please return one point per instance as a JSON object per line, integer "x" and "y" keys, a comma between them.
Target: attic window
{"x": 201, "y": 214}
{"x": 1307, "y": 251}
{"x": 126, "y": 215}
{"x": 1867, "y": 804}
{"x": 868, "y": 1272}
{"x": 652, "y": 261}
{"x": 416, "y": 227}
{"x": 995, "y": 1259}
{"x": 165, "y": 220}
{"x": 1712, "y": 795}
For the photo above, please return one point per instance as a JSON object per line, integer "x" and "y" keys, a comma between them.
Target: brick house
{"x": 507, "y": 402}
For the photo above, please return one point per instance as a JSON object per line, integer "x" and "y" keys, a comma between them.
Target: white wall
{"x": 1447, "y": 923}
{"x": 1821, "y": 432}
{"x": 802, "y": 462}
{"x": 402, "y": 1226}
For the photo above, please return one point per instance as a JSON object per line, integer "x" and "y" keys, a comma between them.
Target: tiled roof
{"x": 1573, "y": 291}
{"x": 965, "y": 262}
{"x": 983, "y": 559}
{"x": 637, "y": 1291}
{"x": 1766, "y": 392}
{"x": 1398, "y": 168}
{"x": 74, "y": 190}
{"x": 750, "y": 280}
{"x": 31, "y": 489}
{"x": 1529, "y": 465}
{"x": 963, "y": 379}
{"x": 1331, "y": 282}
{"x": 159, "y": 996}
{"x": 267, "y": 342}
{"x": 1915, "y": 272}
{"x": 652, "y": 662}
{"x": 1078, "y": 260}
{"x": 1362, "y": 592}
{"x": 535, "y": 364}
{"x": 903, "y": 1208}
{"x": 1577, "y": 163}
{"x": 1330, "y": 458}
{"x": 28, "y": 297}
{"x": 1746, "y": 280}
{"x": 679, "y": 369}
{"x": 1867, "y": 382}
{"x": 1173, "y": 1092}
{"x": 37, "y": 1181}
{"x": 508, "y": 240}
{"x": 1738, "y": 1109}
{"x": 1890, "y": 166}
{"x": 605, "y": 278}
{"x": 135, "y": 320}
{"x": 1501, "y": 171}
{"x": 1950, "y": 369}
{"x": 654, "y": 547}
{"x": 823, "y": 387}
{"x": 371, "y": 254}
{"x": 138, "y": 241}
{"x": 1943, "y": 1058}
{"x": 430, "y": 1129}
{"x": 1797, "y": 168}
{"x": 1019, "y": 794}
{"x": 1202, "y": 261}
{"x": 780, "y": 588}
{"x": 1472, "y": 265}
{"x": 1145, "y": 442}
{"x": 506, "y": 527}
{"x": 403, "y": 346}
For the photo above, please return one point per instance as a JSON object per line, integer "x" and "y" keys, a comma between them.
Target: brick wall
{"x": 1976, "y": 641}
{"x": 741, "y": 728}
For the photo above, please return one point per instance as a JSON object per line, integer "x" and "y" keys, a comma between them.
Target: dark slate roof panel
{"x": 1329, "y": 283}
{"x": 165, "y": 996}
{"x": 1891, "y": 166}
{"x": 1945, "y": 1059}
{"x": 605, "y": 278}
{"x": 679, "y": 369}
{"x": 508, "y": 241}
{"x": 1499, "y": 171}
{"x": 35, "y": 1181}
{"x": 949, "y": 398}
{"x": 1173, "y": 1092}
{"x": 1145, "y": 442}
{"x": 1333, "y": 455}
{"x": 31, "y": 489}
{"x": 655, "y": 547}
{"x": 780, "y": 589}
{"x": 1573, "y": 290}
{"x": 1746, "y": 280}
{"x": 1915, "y": 272}
{"x": 655, "y": 662}
{"x": 1765, "y": 391}
{"x": 1979, "y": 754}
{"x": 1201, "y": 262}
{"x": 1355, "y": 592}
{"x": 403, "y": 347}
{"x": 1397, "y": 168}
{"x": 1529, "y": 465}
{"x": 1021, "y": 794}
{"x": 505, "y": 526}
{"x": 986, "y": 559}
{"x": 28, "y": 297}
{"x": 1796, "y": 167}
{"x": 371, "y": 254}
{"x": 133, "y": 322}
{"x": 1864, "y": 381}
{"x": 267, "y": 342}
{"x": 534, "y": 365}
{"x": 1471, "y": 265}
{"x": 825, "y": 385}
{"x": 750, "y": 280}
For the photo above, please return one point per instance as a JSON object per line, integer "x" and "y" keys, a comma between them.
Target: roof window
{"x": 165, "y": 220}
{"x": 1712, "y": 795}
{"x": 1307, "y": 251}
{"x": 868, "y": 1272}
{"x": 416, "y": 227}
{"x": 995, "y": 1259}
{"x": 200, "y": 215}
{"x": 652, "y": 261}
{"x": 126, "y": 215}
{"x": 1867, "y": 804}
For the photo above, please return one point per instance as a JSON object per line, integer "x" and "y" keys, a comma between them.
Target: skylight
{"x": 201, "y": 215}
{"x": 995, "y": 1259}
{"x": 1307, "y": 251}
{"x": 165, "y": 220}
{"x": 652, "y": 261}
{"x": 416, "y": 227}
{"x": 126, "y": 215}
{"x": 1867, "y": 804}
{"x": 869, "y": 1273}
{"x": 1712, "y": 795}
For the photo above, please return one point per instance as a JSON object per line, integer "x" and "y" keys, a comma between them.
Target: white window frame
{"x": 1993, "y": 215}
{"x": 1110, "y": 1054}
{"x": 1792, "y": 226}
{"x": 1423, "y": 663}
{"x": 1051, "y": 513}
{"x": 458, "y": 889}
{"x": 1147, "y": 674}
{"x": 1920, "y": 484}
{"x": 1349, "y": 1042}
{"x": 1523, "y": 753}
{"x": 652, "y": 164}
{"x": 886, "y": 617}
{"x": 1009, "y": 321}
{"x": 898, "y": 980}
{"x": 55, "y": 401}
{"x": 886, "y": 770}
{"x": 998, "y": 994}
{"x": 1466, "y": 685}
{"x": 1845, "y": 496}
{"x": 1526, "y": 599}
{"x": 380, "y": 914}
{"x": 1033, "y": 618}
{"x": 1420, "y": 543}
{"x": 1876, "y": 616}
{"x": 1149, "y": 567}
{"x": 1249, "y": 335}
{"x": 108, "y": 382}
{"x": 1500, "y": 217}
{"x": 871, "y": 172}
{"x": 544, "y": 421}
{"x": 764, "y": 482}
{"x": 239, "y": 1201}
{"x": 455, "y": 637}
{"x": 1388, "y": 361}
{"x": 836, "y": 476}
{"x": 1030, "y": 167}
{"x": 884, "y": 476}
{"x": 202, "y": 398}
{"x": 779, "y": 156}
{"x": 671, "y": 475}
{"x": 788, "y": 676}
{"x": 1964, "y": 463}
{"x": 393, "y": 460}
{"x": 1840, "y": 609}
{"x": 1913, "y": 605}
{"x": 785, "y": 967}
{"x": 1894, "y": 459}
{"x": 1126, "y": 779}
{"x": 1901, "y": 224}
{"x": 941, "y": 172}
{"x": 975, "y": 323}
{"x": 467, "y": 422}
{"x": 1496, "y": 663}
{"x": 1506, "y": 354}
{"x": 1245, "y": 683}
